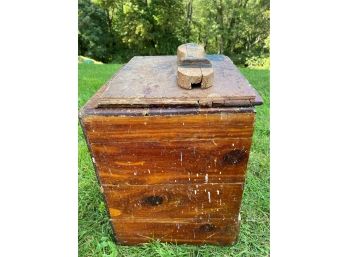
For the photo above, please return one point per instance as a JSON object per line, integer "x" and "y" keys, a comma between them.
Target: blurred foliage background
{"x": 113, "y": 31}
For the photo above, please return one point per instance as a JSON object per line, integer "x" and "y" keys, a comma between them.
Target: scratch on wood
{"x": 130, "y": 163}
{"x": 211, "y": 235}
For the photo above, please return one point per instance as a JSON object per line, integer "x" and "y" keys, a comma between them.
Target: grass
{"x": 95, "y": 235}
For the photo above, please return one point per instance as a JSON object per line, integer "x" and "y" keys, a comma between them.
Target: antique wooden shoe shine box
{"x": 171, "y": 162}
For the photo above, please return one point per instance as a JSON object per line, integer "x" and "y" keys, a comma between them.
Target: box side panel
{"x": 185, "y": 168}
{"x": 170, "y": 149}
{"x": 214, "y": 231}
{"x": 109, "y": 129}
{"x": 174, "y": 201}
{"x": 177, "y": 161}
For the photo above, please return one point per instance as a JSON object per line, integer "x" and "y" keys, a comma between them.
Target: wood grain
{"x": 180, "y": 201}
{"x": 171, "y": 162}
{"x": 219, "y": 160}
{"x": 193, "y": 67}
{"x": 207, "y": 77}
{"x": 214, "y": 231}
{"x": 109, "y": 129}
{"x": 173, "y": 176}
{"x": 188, "y": 76}
{"x": 190, "y": 51}
{"x": 152, "y": 81}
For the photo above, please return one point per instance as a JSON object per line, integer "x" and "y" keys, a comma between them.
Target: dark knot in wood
{"x": 235, "y": 156}
{"x": 153, "y": 200}
{"x": 207, "y": 228}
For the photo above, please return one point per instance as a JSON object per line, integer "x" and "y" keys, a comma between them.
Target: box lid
{"x": 150, "y": 81}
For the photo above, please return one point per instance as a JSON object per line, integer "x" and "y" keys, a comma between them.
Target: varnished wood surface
{"x": 214, "y": 231}
{"x": 216, "y": 161}
{"x": 160, "y": 172}
{"x": 181, "y": 201}
{"x": 108, "y": 129}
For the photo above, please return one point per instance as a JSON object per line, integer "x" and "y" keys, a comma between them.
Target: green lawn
{"x": 95, "y": 235}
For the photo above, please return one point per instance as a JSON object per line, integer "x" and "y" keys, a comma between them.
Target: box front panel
{"x": 174, "y": 201}
{"x": 115, "y": 129}
{"x": 215, "y": 231}
{"x": 186, "y": 169}
{"x": 175, "y": 161}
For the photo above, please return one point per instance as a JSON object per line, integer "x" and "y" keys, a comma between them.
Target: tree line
{"x": 116, "y": 30}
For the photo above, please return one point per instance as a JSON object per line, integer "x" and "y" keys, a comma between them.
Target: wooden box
{"x": 171, "y": 162}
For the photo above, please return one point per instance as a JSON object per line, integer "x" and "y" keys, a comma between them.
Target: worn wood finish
{"x": 92, "y": 108}
{"x": 215, "y": 231}
{"x": 180, "y": 201}
{"x": 112, "y": 176}
{"x": 171, "y": 162}
{"x": 207, "y": 77}
{"x": 175, "y": 161}
{"x": 193, "y": 67}
{"x": 108, "y": 129}
{"x": 192, "y": 55}
{"x": 199, "y": 77}
{"x": 172, "y": 170}
{"x": 151, "y": 81}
